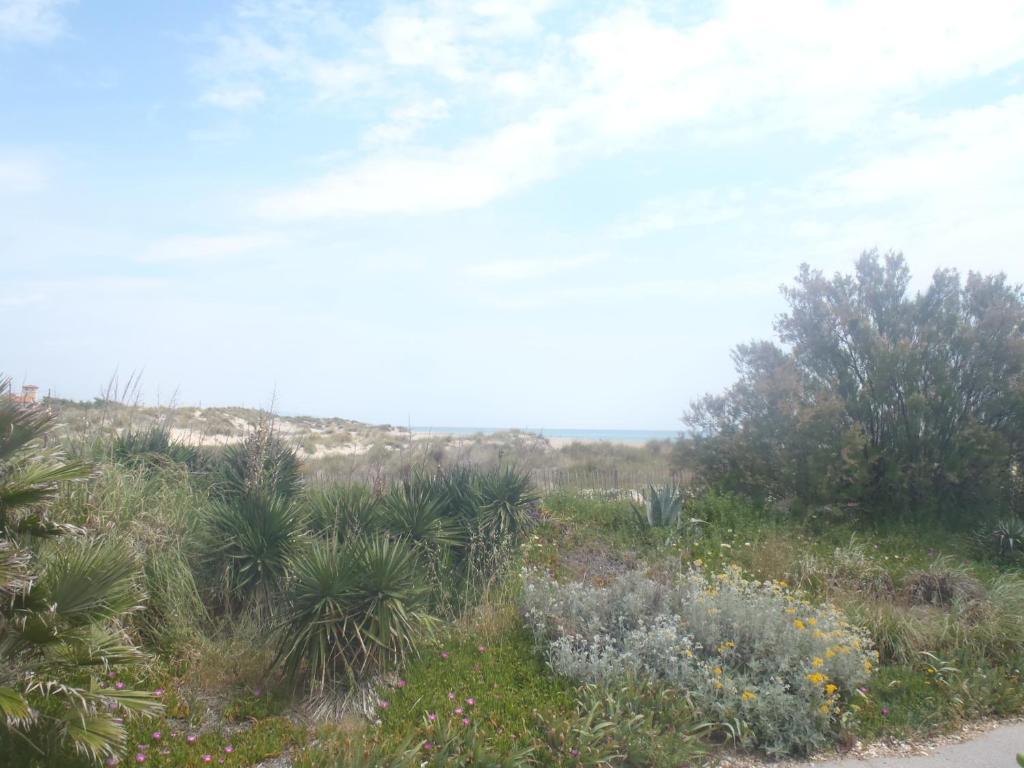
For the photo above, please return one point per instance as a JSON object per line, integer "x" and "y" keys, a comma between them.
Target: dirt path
{"x": 978, "y": 746}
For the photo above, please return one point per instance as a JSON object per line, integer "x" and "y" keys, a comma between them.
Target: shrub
{"x": 62, "y": 598}
{"x": 750, "y": 653}
{"x": 1003, "y": 540}
{"x": 153, "y": 446}
{"x": 351, "y": 608}
{"x": 246, "y": 546}
{"x": 508, "y": 504}
{"x": 263, "y": 464}
{"x": 341, "y": 512}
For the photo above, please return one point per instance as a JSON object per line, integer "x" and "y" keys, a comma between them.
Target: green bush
{"x": 352, "y": 607}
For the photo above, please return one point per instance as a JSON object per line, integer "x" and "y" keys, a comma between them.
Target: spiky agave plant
{"x": 663, "y": 506}
{"x": 62, "y": 598}
{"x": 153, "y": 447}
{"x": 352, "y": 607}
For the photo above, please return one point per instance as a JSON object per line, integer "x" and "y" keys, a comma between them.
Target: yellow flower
{"x": 818, "y": 662}
{"x": 867, "y": 665}
{"x": 799, "y": 624}
{"x": 831, "y": 688}
{"x": 717, "y": 670}
{"x": 812, "y": 621}
{"x": 817, "y": 678}
{"x": 830, "y": 654}
{"x": 783, "y": 583}
{"x": 748, "y": 696}
{"x": 718, "y": 684}
{"x": 823, "y": 709}
{"x": 791, "y": 611}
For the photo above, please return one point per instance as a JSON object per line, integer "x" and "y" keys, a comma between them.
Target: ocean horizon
{"x": 605, "y": 435}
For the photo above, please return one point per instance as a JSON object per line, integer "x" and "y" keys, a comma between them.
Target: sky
{"x": 528, "y": 213}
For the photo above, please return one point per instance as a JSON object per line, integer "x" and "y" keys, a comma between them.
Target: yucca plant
{"x": 263, "y": 464}
{"x": 663, "y": 506}
{"x": 1005, "y": 539}
{"x": 62, "y": 598}
{"x": 418, "y": 513}
{"x": 352, "y": 607}
{"x": 342, "y": 512}
{"x": 153, "y": 447}
{"x": 508, "y": 504}
{"x": 246, "y": 544}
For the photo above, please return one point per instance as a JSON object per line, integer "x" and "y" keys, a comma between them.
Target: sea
{"x": 608, "y": 435}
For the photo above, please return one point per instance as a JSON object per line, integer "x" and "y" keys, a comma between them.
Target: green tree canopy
{"x": 901, "y": 403}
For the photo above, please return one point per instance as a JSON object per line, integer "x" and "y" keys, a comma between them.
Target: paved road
{"x": 993, "y": 749}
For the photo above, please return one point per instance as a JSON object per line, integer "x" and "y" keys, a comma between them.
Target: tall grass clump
{"x": 755, "y": 658}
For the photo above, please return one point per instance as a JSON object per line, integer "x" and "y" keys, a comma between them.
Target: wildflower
{"x": 384, "y": 704}
{"x": 482, "y": 649}
{"x": 471, "y": 701}
{"x": 428, "y": 746}
{"x": 717, "y": 670}
{"x": 140, "y": 757}
{"x": 432, "y": 716}
{"x": 207, "y": 758}
{"x": 798, "y": 623}
{"x": 465, "y": 721}
{"x": 817, "y": 678}
{"x": 191, "y": 738}
{"x": 867, "y": 665}
{"x": 451, "y": 695}
{"x": 459, "y": 710}
{"x": 823, "y": 708}
{"x": 885, "y": 711}
{"x": 157, "y": 735}
{"x": 400, "y": 684}
{"x": 119, "y": 685}
{"x": 748, "y": 696}
{"x": 818, "y": 662}
{"x": 444, "y": 654}
{"x": 229, "y": 749}
{"x": 158, "y": 692}
{"x": 574, "y": 752}
{"x": 831, "y": 688}
{"x": 812, "y": 621}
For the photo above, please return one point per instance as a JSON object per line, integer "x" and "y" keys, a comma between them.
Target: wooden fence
{"x": 603, "y": 479}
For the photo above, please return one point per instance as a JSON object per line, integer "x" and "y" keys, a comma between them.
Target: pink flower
{"x": 885, "y": 711}
{"x": 471, "y": 701}
{"x": 574, "y": 752}
{"x": 451, "y": 695}
{"x": 482, "y": 649}
{"x": 207, "y": 758}
{"x": 119, "y": 685}
{"x": 384, "y": 704}
{"x": 465, "y": 721}
{"x": 459, "y": 710}
{"x": 444, "y": 654}
{"x": 158, "y": 692}
{"x": 140, "y": 758}
{"x": 111, "y": 675}
{"x": 191, "y": 738}
{"x": 157, "y": 735}
{"x": 229, "y": 749}
{"x": 400, "y": 684}
{"x": 432, "y": 716}
{"x": 428, "y": 746}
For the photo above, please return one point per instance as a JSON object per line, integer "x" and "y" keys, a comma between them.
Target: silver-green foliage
{"x": 751, "y": 654}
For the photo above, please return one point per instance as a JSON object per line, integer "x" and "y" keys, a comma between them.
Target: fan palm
{"x": 62, "y": 599}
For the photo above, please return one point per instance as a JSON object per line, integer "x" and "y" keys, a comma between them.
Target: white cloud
{"x": 406, "y": 121}
{"x": 31, "y": 21}
{"x": 818, "y": 68}
{"x": 510, "y": 270}
{"x": 430, "y": 182}
{"x": 206, "y": 248}
{"x": 234, "y": 97}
